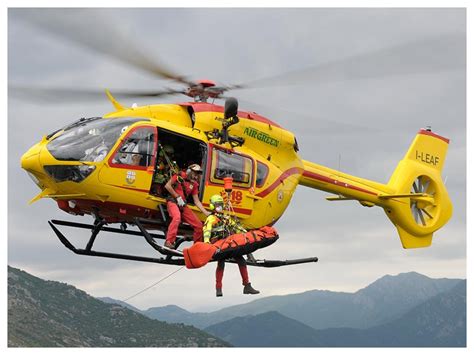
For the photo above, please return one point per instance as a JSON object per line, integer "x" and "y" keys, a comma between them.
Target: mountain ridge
{"x": 54, "y": 314}
{"x": 321, "y": 309}
{"x": 438, "y": 322}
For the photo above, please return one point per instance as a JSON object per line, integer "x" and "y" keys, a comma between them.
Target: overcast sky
{"x": 367, "y": 116}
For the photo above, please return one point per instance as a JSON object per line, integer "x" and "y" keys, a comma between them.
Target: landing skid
{"x": 95, "y": 229}
{"x": 278, "y": 263}
{"x": 170, "y": 256}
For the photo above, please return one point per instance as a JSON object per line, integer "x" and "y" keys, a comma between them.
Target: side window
{"x": 262, "y": 173}
{"x": 138, "y": 148}
{"x": 231, "y": 164}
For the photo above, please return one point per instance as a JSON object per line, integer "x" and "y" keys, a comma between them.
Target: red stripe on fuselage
{"x": 323, "y": 178}
{"x": 277, "y": 182}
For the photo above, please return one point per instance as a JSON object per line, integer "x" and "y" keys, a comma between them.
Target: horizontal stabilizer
{"x": 339, "y": 198}
{"x": 412, "y": 195}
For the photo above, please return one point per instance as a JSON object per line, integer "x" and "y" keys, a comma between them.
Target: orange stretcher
{"x": 234, "y": 245}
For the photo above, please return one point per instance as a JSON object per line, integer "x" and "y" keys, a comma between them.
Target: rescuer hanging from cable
{"x": 217, "y": 226}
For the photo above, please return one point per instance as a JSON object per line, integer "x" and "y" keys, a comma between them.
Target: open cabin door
{"x": 131, "y": 165}
{"x": 223, "y": 163}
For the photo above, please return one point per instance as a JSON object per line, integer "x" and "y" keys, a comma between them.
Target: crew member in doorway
{"x": 179, "y": 188}
{"x": 166, "y": 167}
{"x": 218, "y": 226}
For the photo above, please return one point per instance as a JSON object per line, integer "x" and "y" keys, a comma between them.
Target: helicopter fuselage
{"x": 266, "y": 168}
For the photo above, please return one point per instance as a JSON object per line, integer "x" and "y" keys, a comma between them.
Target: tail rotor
{"x": 422, "y": 211}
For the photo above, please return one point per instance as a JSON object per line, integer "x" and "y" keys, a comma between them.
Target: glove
{"x": 180, "y": 201}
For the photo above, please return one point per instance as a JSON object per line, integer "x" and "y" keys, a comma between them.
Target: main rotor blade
{"x": 92, "y": 29}
{"x": 318, "y": 122}
{"x": 430, "y": 55}
{"x": 68, "y": 94}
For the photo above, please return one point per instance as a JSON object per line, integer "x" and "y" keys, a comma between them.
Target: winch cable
{"x": 231, "y": 214}
{"x": 153, "y": 285}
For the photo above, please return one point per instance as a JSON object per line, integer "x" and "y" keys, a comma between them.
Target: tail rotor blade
{"x": 414, "y": 212}
{"x": 421, "y": 216}
{"x": 425, "y": 186}
{"x": 419, "y": 184}
{"x": 415, "y": 187}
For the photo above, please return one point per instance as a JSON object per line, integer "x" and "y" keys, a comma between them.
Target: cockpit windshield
{"x": 89, "y": 139}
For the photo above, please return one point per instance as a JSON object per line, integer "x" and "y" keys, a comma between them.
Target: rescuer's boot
{"x": 249, "y": 290}
{"x": 219, "y": 292}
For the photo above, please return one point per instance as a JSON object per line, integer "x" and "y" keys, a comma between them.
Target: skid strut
{"x": 100, "y": 227}
{"x": 157, "y": 247}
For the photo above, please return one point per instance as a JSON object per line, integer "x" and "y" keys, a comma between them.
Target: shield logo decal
{"x": 131, "y": 176}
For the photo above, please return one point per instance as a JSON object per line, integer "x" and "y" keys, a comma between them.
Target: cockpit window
{"x": 138, "y": 148}
{"x": 89, "y": 139}
{"x": 262, "y": 173}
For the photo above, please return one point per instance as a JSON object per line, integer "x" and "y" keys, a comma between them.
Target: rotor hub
{"x": 203, "y": 90}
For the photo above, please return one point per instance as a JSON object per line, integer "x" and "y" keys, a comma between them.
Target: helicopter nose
{"x": 30, "y": 162}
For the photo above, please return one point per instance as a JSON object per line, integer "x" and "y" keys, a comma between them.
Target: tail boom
{"x": 415, "y": 199}
{"x": 344, "y": 186}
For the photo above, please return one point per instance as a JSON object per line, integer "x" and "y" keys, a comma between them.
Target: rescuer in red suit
{"x": 179, "y": 188}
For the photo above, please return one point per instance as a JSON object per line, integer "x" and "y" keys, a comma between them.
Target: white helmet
{"x": 195, "y": 168}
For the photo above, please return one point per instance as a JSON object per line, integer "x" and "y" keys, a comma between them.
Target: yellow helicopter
{"x": 106, "y": 167}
